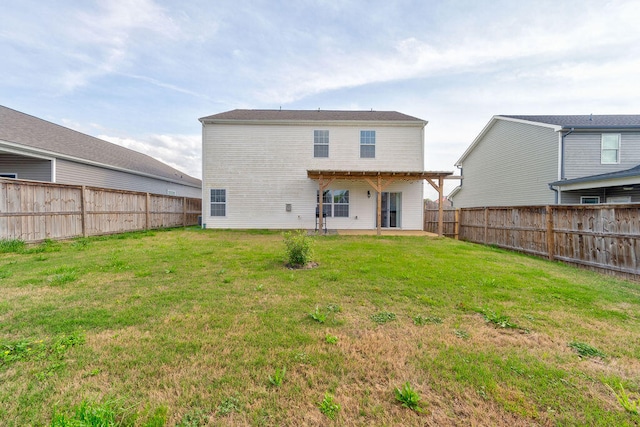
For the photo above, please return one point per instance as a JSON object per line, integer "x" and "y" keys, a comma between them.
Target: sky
{"x": 140, "y": 73}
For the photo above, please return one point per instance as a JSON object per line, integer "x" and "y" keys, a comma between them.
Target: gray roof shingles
{"x": 312, "y": 115}
{"x": 30, "y": 131}
{"x": 586, "y": 121}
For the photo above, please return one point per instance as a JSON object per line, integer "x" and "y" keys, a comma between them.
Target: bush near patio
{"x": 185, "y": 328}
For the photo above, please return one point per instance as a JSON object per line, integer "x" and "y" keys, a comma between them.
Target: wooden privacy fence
{"x": 601, "y": 237}
{"x": 34, "y": 211}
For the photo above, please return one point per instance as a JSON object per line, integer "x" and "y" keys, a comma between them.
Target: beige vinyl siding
{"x": 264, "y": 168}
{"x": 582, "y": 154}
{"x": 68, "y": 172}
{"x": 26, "y": 167}
{"x": 511, "y": 165}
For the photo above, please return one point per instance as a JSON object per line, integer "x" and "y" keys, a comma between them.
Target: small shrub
{"x": 586, "y": 350}
{"x": 383, "y": 317}
{"x": 299, "y": 248}
{"x": 408, "y": 397}
{"x": 328, "y": 407}
{"x": 278, "y": 377}
{"x": 630, "y": 405}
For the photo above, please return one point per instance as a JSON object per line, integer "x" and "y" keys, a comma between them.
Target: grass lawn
{"x": 195, "y": 327}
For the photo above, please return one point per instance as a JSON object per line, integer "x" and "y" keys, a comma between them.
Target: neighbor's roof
{"x": 49, "y": 138}
{"x": 311, "y": 115}
{"x": 585, "y": 121}
{"x": 627, "y": 173}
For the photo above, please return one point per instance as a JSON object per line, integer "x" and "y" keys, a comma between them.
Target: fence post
{"x": 550, "y": 235}
{"x": 486, "y": 225}
{"x": 456, "y": 223}
{"x": 147, "y": 216}
{"x": 184, "y": 211}
{"x": 83, "y": 209}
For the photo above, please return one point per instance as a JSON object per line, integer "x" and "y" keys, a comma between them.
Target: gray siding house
{"x": 539, "y": 160}
{"x": 35, "y": 149}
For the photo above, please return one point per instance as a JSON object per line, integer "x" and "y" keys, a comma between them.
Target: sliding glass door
{"x": 391, "y": 210}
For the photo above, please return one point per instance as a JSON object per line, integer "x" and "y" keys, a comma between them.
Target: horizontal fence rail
{"x": 599, "y": 237}
{"x": 35, "y": 211}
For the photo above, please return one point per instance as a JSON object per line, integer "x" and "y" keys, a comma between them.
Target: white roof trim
{"x": 616, "y": 182}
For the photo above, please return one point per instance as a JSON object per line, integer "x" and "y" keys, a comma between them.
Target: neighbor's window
{"x": 8, "y": 175}
{"x": 320, "y": 143}
{"x": 368, "y": 144}
{"x": 334, "y": 203}
{"x": 610, "y": 153}
{"x": 619, "y": 199}
{"x": 590, "y": 200}
{"x": 218, "y": 202}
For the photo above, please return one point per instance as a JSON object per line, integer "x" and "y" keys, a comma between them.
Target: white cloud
{"x": 182, "y": 152}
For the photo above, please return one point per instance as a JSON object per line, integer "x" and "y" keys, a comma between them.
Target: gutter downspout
{"x": 562, "y": 176}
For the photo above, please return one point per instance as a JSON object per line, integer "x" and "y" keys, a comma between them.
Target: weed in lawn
{"x": 318, "y": 316}
{"x": 627, "y": 402}
{"x": 259, "y": 288}
{"x": 586, "y": 350}
{"x": 424, "y": 320}
{"x": 87, "y": 415}
{"x": 278, "y": 377}
{"x": 408, "y": 397}
{"x": 47, "y": 245}
{"x": 461, "y": 333}
{"x": 334, "y": 308}
{"x": 193, "y": 418}
{"x": 329, "y": 407}
{"x": 383, "y": 317}
{"x": 299, "y": 248}
{"x": 228, "y": 405}
{"x": 62, "y": 278}
{"x": 11, "y": 246}
{"x": 158, "y": 418}
{"x": 497, "y": 319}
{"x": 331, "y": 339}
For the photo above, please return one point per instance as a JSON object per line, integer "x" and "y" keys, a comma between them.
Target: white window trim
{"x": 617, "y": 162}
{"x": 10, "y": 175}
{"x": 582, "y": 202}
{"x": 375, "y": 138}
{"x": 211, "y": 203}
{"x": 320, "y": 144}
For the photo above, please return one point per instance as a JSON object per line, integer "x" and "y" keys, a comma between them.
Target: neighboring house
{"x": 34, "y": 149}
{"x": 539, "y": 160}
{"x": 267, "y": 169}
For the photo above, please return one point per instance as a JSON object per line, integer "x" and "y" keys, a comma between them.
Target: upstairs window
{"x": 610, "y": 149}
{"x": 367, "y": 144}
{"x": 218, "y": 202}
{"x": 320, "y": 143}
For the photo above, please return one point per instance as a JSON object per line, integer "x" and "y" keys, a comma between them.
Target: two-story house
{"x": 536, "y": 160}
{"x": 278, "y": 169}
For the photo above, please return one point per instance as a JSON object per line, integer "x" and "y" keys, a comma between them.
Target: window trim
{"x": 366, "y": 138}
{"x": 329, "y": 202}
{"x": 319, "y": 142}
{"x": 218, "y": 203}
{"x": 602, "y": 149}
{"x": 9, "y": 175}
{"x": 583, "y": 198}
{"x": 627, "y": 199}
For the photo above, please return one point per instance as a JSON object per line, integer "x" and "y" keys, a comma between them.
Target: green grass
{"x": 188, "y": 327}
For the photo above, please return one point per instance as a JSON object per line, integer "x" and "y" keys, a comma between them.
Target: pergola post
{"x": 439, "y": 188}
